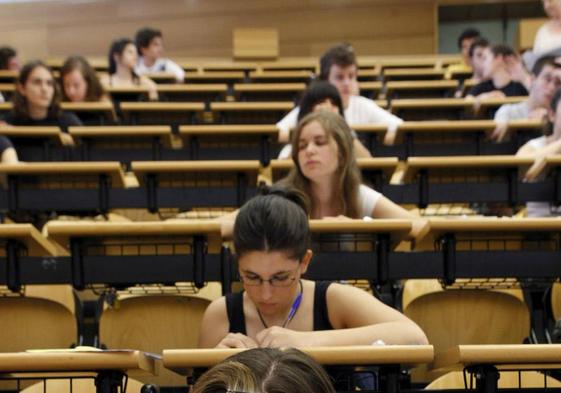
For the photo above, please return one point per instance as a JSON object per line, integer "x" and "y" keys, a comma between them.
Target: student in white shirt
{"x": 150, "y": 46}
{"x": 339, "y": 67}
{"x": 548, "y": 36}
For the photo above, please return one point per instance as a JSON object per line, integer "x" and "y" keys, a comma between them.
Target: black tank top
{"x": 236, "y": 317}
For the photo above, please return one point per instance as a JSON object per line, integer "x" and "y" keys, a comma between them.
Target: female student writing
{"x": 279, "y": 308}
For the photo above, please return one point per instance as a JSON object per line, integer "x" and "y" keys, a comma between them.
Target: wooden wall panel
{"x": 204, "y": 28}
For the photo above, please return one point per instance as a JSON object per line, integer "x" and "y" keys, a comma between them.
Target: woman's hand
{"x": 278, "y": 337}
{"x": 237, "y": 340}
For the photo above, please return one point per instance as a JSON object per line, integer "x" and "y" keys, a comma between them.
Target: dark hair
{"x": 542, "y": 62}
{"x": 144, "y": 36}
{"x": 342, "y": 55}
{"x": 468, "y": 34}
{"x": 479, "y": 42}
{"x": 502, "y": 50}
{"x": 20, "y": 106}
{"x": 95, "y": 91}
{"x": 117, "y": 48}
{"x": 555, "y": 100}
{"x": 266, "y": 370}
{"x": 316, "y": 93}
{"x": 6, "y": 53}
{"x": 276, "y": 220}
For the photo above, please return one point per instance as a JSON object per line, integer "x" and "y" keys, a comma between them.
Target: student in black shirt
{"x": 36, "y": 101}
{"x": 497, "y": 80}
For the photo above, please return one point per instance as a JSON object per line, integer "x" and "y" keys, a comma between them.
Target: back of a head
{"x": 318, "y": 92}
{"x": 480, "y": 42}
{"x": 271, "y": 371}
{"x": 144, "y": 36}
{"x": 342, "y": 55}
{"x": 277, "y": 220}
{"x": 502, "y": 50}
{"x": 469, "y": 33}
{"x": 6, "y": 53}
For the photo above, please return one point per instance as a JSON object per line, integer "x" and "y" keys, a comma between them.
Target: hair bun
{"x": 291, "y": 194}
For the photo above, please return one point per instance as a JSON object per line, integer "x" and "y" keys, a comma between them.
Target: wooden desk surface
{"x": 140, "y": 167}
{"x": 62, "y": 231}
{"x": 180, "y": 360}
{"x": 192, "y": 88}
{"x": 251, "y": 106}
{"x": 119, "y": 131}
{"x": 105, "y": 106}
{"x": 162, "y": 106}
{"x": 31, "y": 132}
{"x": 9, "y": 74}
{"x": 399, "y": 228}
{"x": 415, "y": 103}
{"x": 9, "y": 87}
{"x": 414, "y": 164}
{"x": 424, "y": 71}
{"x": 464, "y": 125}
{"x": 374, "y": 85}
{"x": 420, "y": 85}
{"x": 27, "y": 234}
{"x": 371, "y": 128}
{"x": 214, "y": 75}
{"x": 387, "y": 164}
{"x": 281, "y": 74}
{"x": 373, "y": 73}
{"x": 76, "y": 361}
{"x": 272, "y": 87}
{"x": 441, "y": 225}
{"x": 229, "y": 129}
{"x": 517, "y": 356}
{"x": 492, "y": 102}
{"x": 113, "y": 169}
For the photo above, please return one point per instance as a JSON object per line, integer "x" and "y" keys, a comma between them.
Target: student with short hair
{"x": 338, "y": 66}
{"x": 80, "y": 82}
{"x": 477, "y": 57}
{"x": 498, "y": 82}
{"x": 122, "y": 62}
{"x": 465, "y": 40}
{"x": 322, "y": 95}
{"x": 266, "y": 370}
{"x": 278, "y": 308}
{"x": 150, "y": 44}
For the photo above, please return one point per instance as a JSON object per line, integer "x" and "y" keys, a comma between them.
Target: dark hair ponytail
{"x": 275, "y": 220}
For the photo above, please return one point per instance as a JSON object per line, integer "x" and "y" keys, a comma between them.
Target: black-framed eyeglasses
{"x": 279, "y": 280}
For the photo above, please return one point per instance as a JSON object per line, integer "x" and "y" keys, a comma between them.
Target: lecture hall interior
{"x": 267, "y": 196}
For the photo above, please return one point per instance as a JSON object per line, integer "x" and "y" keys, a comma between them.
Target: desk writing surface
{"x": 31, "y": 132}
{"x": 421, "y": 85}
{"x": 8, "y": 87}
{"x": 415, "y": 103}
{"x": 415, "y": 164}
{"x": 387, "y": 164}
{"x": 374, "y": 128}
{"x": 281, "y": 74}
{"x": 266, "y": 87}
{"x": 371, "y": 73}
{"x": 86, "y": 106}
{"x": 119, "y": 131}
{"x": 490, "y": 102}
{"x": 180, "y": 360}
{"x": 229, "y": 129}
{"x": 113, "y": 169}
{"x": 27, "y": 234}
{"x": 140, "y": 167}
{"x": 397, "y": 227}
{"x": 75, "y": 361}
{"x": 526, "y": 356}
{"x": 192, "y": 88}
{"x": 214, "y": 75}
{"x": 127, "y": 89}
{"x": 62, "y": 231}
{"x": 392, "y": 72}
{"x": 375, "y": 85}
{"x": 251, "y": 106}
{"x": 162, "y": 106}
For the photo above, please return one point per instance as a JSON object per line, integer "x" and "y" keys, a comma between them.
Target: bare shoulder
{"x": 215, "y": 325}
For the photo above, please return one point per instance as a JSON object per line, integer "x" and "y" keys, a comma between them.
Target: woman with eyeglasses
{"x": 278, "y": 308}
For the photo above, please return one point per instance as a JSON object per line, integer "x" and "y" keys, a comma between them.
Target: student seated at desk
{"x": 150, "y": 44}
{"x": 122, "y": 61}
{"x": 540, "y": 148}
{"x": 280, "y": 309}
{"x": 465, "y": 40}
{"x": 36, "y": 101}
{"x": 339, "y": 67}
{"x": 266, "y": 370}
{"x": 80, "y": 82}
{"x": 498, "y": 81}
{"x": 8, "y": 61}
{"x": 546, "y": 79}
{"x": 322, "y": 95}
{"x": 548, "y": 36}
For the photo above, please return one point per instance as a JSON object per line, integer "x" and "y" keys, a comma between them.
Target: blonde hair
{"x": 228, "y": 376}
{"x": 348, "y": 174}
